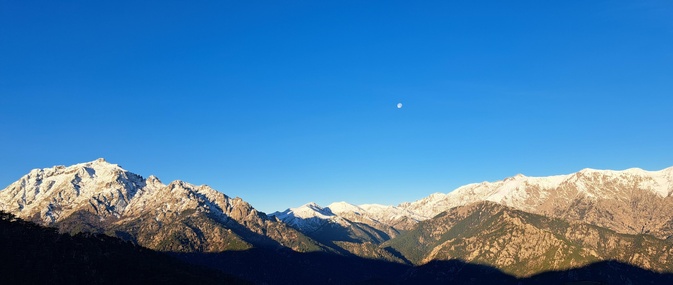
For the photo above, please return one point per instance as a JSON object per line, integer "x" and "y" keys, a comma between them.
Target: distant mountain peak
{"x": 340, "y": 207}
{"x": 313, "y": 206}
{"x": 597, "y": 196}
{"x": 306, "y": 211}
{"x": 101, "y": 162}
{"x": 153, "y": 180}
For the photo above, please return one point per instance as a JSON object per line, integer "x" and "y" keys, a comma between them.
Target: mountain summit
{"x": 98, "y": 196}
{"x": 52, "y": 194}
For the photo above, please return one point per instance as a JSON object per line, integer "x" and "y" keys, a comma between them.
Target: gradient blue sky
{"x": 286, "y": 102}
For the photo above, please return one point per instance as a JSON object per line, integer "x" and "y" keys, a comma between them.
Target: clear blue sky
{"x": 286, "y": 102}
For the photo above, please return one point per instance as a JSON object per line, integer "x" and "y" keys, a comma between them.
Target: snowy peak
{"x": 344, "y": 207}
{"x": 106, "y": 190}
{"x": 373, "y": 213}
{"x": 153, "y": 181}
{"x": 517, "y": 177}
{"x": 309, "y": 217}
{"x": 544, "y": 195}
{"x": 595, "y": 182}
{"x": 310, "y": 210}
{"x": 306, "y": 211}
{"x": 98, "y": 196}
{"x": 312, "y": 216}
{"x": 99, "y": 165}
{"x": 50, "y": 194}
{"x": 538, "y": 194}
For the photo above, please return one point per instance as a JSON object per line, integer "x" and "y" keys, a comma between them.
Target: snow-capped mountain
{"x": 514, "y": 191}
{"x": 312, "y": 216}
{"x": 542, "y": 214}
{"x": 629, "y": 201}
{"x": 101, "y": 197}
{"x": 527, "y": 193}
{"x": 309, "y": 217}
{"x": 350, "y": 234}
{"x": 52, "y": 194}
{"x": 377, "y": 214}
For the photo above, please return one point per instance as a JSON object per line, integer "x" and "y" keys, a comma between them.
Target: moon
{"x": 399, "y": 105}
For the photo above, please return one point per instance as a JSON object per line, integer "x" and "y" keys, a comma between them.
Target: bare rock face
{"x": 523, "y": 244}
{"x": 101, "y": 197}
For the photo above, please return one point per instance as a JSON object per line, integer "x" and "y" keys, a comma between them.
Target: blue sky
{"x": 286, "y": 103}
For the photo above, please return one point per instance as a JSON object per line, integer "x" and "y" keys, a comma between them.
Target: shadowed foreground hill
{"x": 32, "y": 254}
{"x": 264, "y": 266}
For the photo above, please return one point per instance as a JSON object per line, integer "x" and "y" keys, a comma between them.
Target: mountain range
{"x": 522, "y": 226}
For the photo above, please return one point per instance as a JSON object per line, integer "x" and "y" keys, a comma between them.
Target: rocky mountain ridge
{"x": 101, "y": 197}
{"x": 630, "y": 201}
{"x": 521, "y": 225}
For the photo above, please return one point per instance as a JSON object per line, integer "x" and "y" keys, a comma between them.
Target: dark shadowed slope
{"x": 32, "y": 254}
{"x": 286, "y": 267}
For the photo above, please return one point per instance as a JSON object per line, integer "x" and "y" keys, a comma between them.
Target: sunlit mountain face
{"x": 520, "y": 227}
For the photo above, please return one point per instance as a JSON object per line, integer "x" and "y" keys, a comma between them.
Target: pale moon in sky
{"x": 399, "y": 105}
